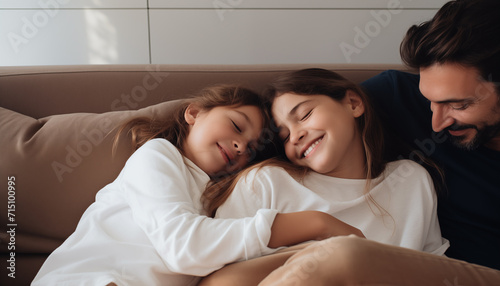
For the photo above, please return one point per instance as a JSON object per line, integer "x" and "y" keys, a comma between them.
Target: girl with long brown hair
{"x": 332, "y": 161}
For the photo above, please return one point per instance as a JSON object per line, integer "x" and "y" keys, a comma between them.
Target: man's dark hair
{"x": 466, "y": 32}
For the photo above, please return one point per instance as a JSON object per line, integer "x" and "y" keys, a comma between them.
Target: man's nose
{"x": 440, "y": 117}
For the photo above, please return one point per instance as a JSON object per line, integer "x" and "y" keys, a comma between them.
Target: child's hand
{"x": 292, "y": 228}
{"x": 335, "y": 227}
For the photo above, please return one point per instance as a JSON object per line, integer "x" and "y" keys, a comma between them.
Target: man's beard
{"x": 483, "y": 135}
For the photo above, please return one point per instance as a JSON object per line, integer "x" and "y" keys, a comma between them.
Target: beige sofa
{"x": 56, "y": 128}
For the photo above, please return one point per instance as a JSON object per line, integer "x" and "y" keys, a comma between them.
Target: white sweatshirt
{"x": 145, "y": 228}
{"x": 405, "y": 190}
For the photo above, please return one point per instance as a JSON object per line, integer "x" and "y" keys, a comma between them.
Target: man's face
{"x": 463, "y": 104}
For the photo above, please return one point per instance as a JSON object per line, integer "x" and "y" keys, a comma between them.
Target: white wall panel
{"x": 294, "y": 4}
{"x": 35, "y": 32}
{"x": 55, "y": 4}
{"x": 36, "y": 37}
{"x": 202, "y": 36}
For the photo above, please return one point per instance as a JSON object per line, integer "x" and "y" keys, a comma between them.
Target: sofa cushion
{"x": 70, "y": 159}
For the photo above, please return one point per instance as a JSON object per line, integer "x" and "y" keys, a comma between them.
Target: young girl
{"x": 333, "y": 145}
{"x": 148, "y": 226}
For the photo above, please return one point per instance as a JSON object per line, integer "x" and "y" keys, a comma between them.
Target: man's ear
{"x": 191, "y": 113}
{"x": 356, "y": 103}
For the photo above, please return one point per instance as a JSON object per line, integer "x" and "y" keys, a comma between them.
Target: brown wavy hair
{"x": 175, "y": 128}
{"x": 464, "y": 32}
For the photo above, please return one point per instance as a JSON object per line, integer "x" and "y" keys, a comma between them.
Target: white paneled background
{"x": 62, "y": 32}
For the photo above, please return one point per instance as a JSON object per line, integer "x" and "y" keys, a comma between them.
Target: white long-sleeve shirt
{"x": 405, "y": 190}
{"x": 145, "y": 228}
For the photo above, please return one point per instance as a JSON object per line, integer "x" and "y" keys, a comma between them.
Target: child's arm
{"x": 168, "y": 210}
{"x": 296, "y": 222}
{"x": 292, "y": 228}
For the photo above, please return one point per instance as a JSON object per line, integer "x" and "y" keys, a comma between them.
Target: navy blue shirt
{"x": 469, "y": 205}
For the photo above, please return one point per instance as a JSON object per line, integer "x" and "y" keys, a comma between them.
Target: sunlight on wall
{"x": 102, "y": 38}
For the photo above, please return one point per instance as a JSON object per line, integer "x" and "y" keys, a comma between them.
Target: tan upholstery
{"x": 57, "y": 125}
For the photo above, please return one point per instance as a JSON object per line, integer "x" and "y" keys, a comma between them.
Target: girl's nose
{"x": 240, "y": 147}
{"x": 296, "y": 136}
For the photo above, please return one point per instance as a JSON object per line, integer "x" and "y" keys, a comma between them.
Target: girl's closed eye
{"x": 236, "y": 126}
{"x": 306, "y": 115}
{"x": 285, "y": 137}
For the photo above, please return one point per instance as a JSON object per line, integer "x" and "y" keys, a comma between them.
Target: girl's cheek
{"x": 242, "y": 163}
{"x": 289, "y": 152}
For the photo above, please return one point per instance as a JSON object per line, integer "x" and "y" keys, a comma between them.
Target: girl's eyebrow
{"x": 247, "y": 119}
{"x": 244, "y": 115}
{"x": 296, "y": 107}
{"x": 293, "y": 111}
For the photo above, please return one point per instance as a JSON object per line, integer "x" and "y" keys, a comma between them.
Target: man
{"x": 450, "y": 113}
{"x": 458, "y": 56}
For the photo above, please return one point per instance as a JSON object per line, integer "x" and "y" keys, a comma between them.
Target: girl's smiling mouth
{"x": 311, "y": 147}
{"x": 225, "y": 155}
